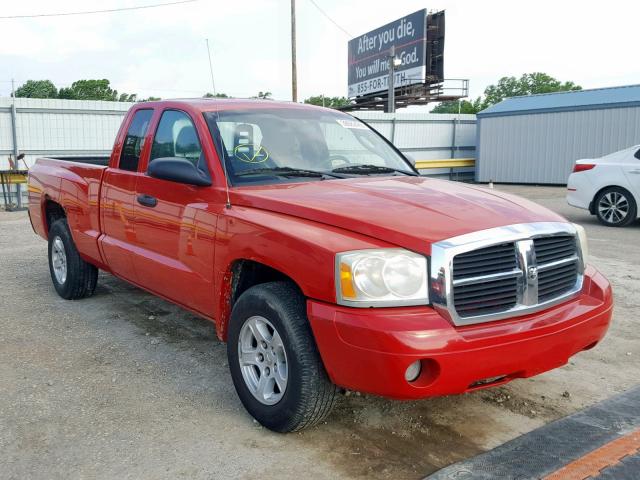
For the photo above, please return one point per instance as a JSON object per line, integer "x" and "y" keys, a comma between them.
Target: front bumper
{"x": 369, "y": 350}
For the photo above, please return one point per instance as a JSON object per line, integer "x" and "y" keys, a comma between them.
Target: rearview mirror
{"x": 178, "y": 169}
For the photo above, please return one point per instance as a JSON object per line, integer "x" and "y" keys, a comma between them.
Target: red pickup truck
{"x": 323, "y": 258}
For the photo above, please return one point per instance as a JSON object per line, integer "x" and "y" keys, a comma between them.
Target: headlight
{"x": 385, "y": 278}
{"x": 582, "y": 239}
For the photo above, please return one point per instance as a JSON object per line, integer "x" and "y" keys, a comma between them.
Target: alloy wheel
{"x": 613, "y": 207}
{"x": 59, "y": 260}
{"x": 263, "y": 360}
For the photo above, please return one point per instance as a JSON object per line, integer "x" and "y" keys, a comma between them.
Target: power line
{"x": 88, "y": 12}
{"x": 329, "y": 18}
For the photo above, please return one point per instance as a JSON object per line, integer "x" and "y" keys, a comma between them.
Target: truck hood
{"x": 411, "y": 212}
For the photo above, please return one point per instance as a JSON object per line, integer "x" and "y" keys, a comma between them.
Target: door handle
{"x": 637, "y": 170}
{"x": 147, "y": 200}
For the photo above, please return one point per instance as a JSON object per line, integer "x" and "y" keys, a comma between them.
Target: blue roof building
{"x": 538, "y": 138}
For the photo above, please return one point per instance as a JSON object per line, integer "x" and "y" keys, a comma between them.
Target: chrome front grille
{"x": 557, "y": 273}
{"x": 556, "y": 281}
{"x": 550, "y": 249}
{"x": 474, "y": 292}
{"x": 487, "y": 297}
{"x": 485, "y": 261}
{"x": 474, "y": 279}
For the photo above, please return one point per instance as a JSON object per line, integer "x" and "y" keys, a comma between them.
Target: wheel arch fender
{"x": 592, "y": 205}
{"x": 239, "y": 275}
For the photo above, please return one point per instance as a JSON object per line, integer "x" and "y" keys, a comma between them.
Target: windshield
{"x": 273, "y": 145}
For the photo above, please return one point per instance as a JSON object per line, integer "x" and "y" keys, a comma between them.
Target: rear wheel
{"x": 72, "y": 277}
{"x": 615, "y": 207}
{"x": 274, "y": 361}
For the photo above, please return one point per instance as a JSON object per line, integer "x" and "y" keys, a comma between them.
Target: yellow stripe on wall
{"x": 449, "y": 163}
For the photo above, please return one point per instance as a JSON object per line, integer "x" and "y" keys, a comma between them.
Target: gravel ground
{"x": 125, "y": 385}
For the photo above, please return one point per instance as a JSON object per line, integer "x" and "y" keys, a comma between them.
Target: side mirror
{"x": 177, "y": 169}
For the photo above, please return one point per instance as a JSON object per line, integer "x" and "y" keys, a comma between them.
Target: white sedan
{"x": 609, "y": 186}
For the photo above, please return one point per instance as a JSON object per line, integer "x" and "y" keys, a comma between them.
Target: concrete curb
{"x": 545, "y": 450}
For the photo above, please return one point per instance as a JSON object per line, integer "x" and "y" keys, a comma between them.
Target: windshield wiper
{"x": 288, "y": 172}
{"x": 367, "y": 169}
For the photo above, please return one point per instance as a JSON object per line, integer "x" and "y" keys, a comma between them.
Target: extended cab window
{"x": 134, "y": 141}
{"x": 176, "y": 137}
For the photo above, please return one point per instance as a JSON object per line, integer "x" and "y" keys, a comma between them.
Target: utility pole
{"x": 294, "y": 72}
{"x": 213, "y": 83}
{"x": 391, "y": 104}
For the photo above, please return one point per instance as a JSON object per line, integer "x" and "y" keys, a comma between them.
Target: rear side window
{"x": 176, "y": 137}
{"x": 134, "y": 140}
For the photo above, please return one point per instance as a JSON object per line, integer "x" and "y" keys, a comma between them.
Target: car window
{"x": 134, "y": 141}
{"x": 254, "y": 142}
{"x": 176, "y": 137}
{"x": 343, "y": 144}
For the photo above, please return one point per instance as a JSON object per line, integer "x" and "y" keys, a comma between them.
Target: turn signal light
{"x": 581, "y": 167}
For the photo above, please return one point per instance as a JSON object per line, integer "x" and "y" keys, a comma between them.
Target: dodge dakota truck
{"x": 324, "y": 259}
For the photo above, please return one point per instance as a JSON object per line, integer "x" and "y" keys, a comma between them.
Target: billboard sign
{"x": 369, "y": 55}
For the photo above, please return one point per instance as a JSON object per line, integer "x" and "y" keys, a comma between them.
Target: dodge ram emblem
{"x": 532, "y": 273}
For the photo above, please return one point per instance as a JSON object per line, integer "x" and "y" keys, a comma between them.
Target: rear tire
{"x": 281, "y": 382}
{"x": 72, "y": 277}
{"x": 615, "y": 207}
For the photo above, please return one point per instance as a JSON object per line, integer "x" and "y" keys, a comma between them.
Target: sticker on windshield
{"x": 250, "y": 153}
{"x": 346, "y": 123}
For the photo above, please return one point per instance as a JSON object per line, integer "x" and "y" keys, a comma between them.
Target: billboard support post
{"x": 391, "y": 103}
{"x": 294, "y": 68}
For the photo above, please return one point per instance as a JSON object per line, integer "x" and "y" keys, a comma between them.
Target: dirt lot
{"x": 124, "y": 385}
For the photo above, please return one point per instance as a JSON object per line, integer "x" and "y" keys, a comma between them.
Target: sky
{"x": 162, "y": 51}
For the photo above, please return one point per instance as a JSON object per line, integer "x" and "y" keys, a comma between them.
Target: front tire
{"x": 615, "y": 207}
{"x": 72, "y": 277}
{"x": 274, "y": 361}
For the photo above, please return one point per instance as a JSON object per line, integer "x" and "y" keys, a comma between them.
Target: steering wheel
{"x": 341, "y": 159}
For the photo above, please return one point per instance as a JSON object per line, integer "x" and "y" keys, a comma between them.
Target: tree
{"x": 462, "y": 106}
{"x": 150, "y": 99}
{"x": 527, "y": 84}
{"x": 330, "y": 102}
{"x": 216, "y": 95}
{"x": 94, "y": 90}
{"x": 127, "y": 97}
{"x": 37, "y": 89}
{"x": 89, "y": 90}
{"x": 264, "y": 95}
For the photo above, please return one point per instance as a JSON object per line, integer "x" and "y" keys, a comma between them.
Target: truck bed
{"x": 94, "y": 160}
{"x": 73, "y": 183}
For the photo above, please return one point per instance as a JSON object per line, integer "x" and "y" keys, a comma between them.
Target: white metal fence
{"x": 74, "y": 127}
{"x": 426, "y": 136}
{"x": 41, "y": 127}
{"x": 49, "y": 127}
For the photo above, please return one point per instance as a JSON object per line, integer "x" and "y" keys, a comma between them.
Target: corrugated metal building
{"x": 537, "y": 138}
{"x": 426, "y": 136}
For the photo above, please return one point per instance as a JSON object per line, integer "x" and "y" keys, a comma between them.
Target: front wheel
{"x": 274, "y": 361}
{"x": 615, "y": 207}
